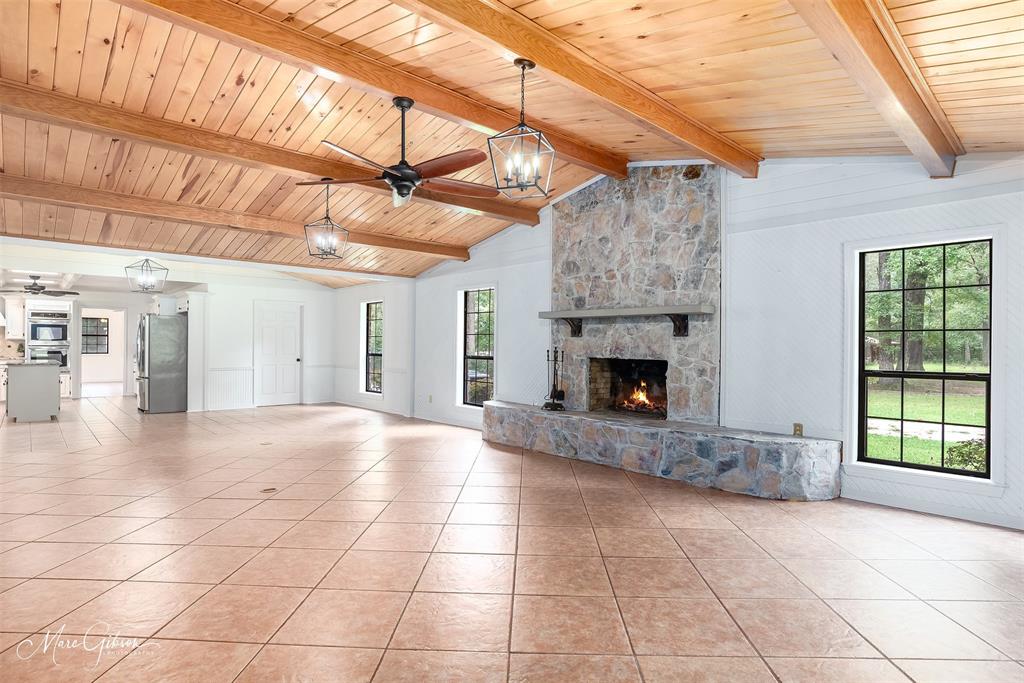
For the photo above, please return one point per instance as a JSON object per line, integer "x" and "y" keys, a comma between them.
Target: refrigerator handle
{"x": 140, "y": 348}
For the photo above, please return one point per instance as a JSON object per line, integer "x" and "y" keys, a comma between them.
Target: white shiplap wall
{"x": 785, "y": 344}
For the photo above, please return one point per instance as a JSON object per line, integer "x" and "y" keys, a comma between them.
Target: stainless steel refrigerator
{"x": 161, "y": 363}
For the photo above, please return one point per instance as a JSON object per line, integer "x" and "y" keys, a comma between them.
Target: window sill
{"x": 923, "y": 478}
{"x": 379, "y": 396}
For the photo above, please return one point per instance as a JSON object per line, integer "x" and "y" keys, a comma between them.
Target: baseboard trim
{"x": 935, "y": 509}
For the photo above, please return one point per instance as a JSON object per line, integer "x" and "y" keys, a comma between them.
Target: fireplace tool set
{"x": 557, "y": 395}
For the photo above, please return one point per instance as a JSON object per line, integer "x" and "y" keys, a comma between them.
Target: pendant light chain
{"x": 522, "y": 95}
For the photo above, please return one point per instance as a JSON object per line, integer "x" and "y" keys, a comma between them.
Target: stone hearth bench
{"x": 755, "y": 463}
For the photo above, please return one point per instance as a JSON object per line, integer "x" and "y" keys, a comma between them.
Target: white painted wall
{"x": 230, "y": 307}
{"x": 517, "y": 263}
{"x": 110, "y": 366}
{"x": 397, "y": 376}
{"x": 421, "y": 323}
{"x": 785, "y": 338}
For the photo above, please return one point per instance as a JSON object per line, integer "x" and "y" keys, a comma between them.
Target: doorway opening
{"x": 102, "y": 343}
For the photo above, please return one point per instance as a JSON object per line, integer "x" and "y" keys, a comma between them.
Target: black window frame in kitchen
{"x": 470, "y": 341}
{"x": 374, "y": 379}
{"x": 95, "y": 343}
{"x": 902, "y": 375}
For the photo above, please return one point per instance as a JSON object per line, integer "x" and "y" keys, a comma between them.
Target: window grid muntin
{"x": 903, "y": 374}
{"x": 95, "y": 336}
{"x": 471, "y": 307}
{"x": 374, "y": 383}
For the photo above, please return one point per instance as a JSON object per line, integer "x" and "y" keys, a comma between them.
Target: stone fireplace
{"x": 641, "y": 383}
{"x": 628, "y": 386}
{"x": 649, "y": 240}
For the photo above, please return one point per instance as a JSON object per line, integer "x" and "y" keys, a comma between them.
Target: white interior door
{"x": 278, "y": 353}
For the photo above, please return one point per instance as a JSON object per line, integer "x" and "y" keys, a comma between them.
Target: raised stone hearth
{"x": 755, "y": 463}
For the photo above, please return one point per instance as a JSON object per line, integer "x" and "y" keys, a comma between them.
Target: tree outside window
{"x": 478, "y": 346}
{"x": 925, "y": 357}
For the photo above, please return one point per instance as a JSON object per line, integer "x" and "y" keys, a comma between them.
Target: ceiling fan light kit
{"x": 521, "y": 157}
{"x": 325, "y": 239}
{"x": 146, "y": 276}
{"x": 403, "y": 178}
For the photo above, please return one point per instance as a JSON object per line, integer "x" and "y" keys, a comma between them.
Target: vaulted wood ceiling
{"x": 181, "y": 126}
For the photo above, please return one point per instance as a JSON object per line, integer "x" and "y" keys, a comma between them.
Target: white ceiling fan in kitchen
{"x": 34, "y": 288}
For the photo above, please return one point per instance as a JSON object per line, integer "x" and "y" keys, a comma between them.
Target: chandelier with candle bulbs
{"x": 146, "y": 276}
{"x": 325, "y": 239}
{"x": 521, "y": 157}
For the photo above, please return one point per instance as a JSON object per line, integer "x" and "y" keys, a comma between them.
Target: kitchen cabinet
{"x": 15, "y": 314}
{"x": 3, "y": 383}
{"x": 65, "y": 385}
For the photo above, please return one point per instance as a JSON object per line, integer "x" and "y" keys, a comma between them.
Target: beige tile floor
{"x": 336, "y": 544}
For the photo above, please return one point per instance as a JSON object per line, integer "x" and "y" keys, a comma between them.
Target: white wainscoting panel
{"x": 229, "y": 388}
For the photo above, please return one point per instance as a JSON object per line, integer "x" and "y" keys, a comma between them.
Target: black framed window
{"x": 478, "y": 346}
{"x": 95, "y": 336}
{"x": 925, "y": 329}
{"x": 374, "y": 345}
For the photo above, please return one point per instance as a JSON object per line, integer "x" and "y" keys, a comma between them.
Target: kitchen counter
{"x": 33, "y": 389}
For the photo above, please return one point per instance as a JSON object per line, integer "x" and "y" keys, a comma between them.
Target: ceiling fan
{"x": 403, "y": 177}
{"x": 35, "y": 289}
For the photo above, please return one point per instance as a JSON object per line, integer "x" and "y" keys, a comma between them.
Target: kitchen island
{"x": 33, "y": 389}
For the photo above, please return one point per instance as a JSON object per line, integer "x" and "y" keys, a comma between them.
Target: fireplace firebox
{"x": 628, "y": 386}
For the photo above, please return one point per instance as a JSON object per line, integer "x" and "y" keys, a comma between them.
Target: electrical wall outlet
{"x": 798, "y": 429}
{"x": 430, "y": 398}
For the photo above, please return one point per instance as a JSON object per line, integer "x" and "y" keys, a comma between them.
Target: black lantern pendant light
{"x": 146, "y": 276}
{"x": 521, "y": 157}
{"x": 325, "y": 239}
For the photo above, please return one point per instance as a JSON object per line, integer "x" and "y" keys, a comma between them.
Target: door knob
{"x": 298, "y": 360}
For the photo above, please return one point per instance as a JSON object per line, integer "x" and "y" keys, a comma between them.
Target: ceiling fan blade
{"x": 57, "y": 292}
{"x": 459, "y": 187}
{"x": 449, "y": 163}
{"x": 332, "y": 181}
{"x": 353, "y": 155}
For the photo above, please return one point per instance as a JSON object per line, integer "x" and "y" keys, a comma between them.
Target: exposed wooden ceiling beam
{"x": 114, "y": 202}
{"x": 44, "y": 105}
{"x": 502, "y": 28}
{"x": 265, "y": 36}
{"x": 849, "y": 30}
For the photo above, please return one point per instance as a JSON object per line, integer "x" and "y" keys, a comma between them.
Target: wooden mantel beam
{"x": 114, "y": 202}
{"x": 239, "y": 26}
{"x": 502, "y": 28}
{"x": 849, "y": 29}
{"x": 52, "y": 107}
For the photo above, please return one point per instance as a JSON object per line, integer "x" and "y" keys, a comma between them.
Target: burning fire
{"x": 638, "y": 399}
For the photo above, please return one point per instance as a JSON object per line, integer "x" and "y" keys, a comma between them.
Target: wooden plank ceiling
{"x": 971, "y": 53}
{"x": 750, "y": 70}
